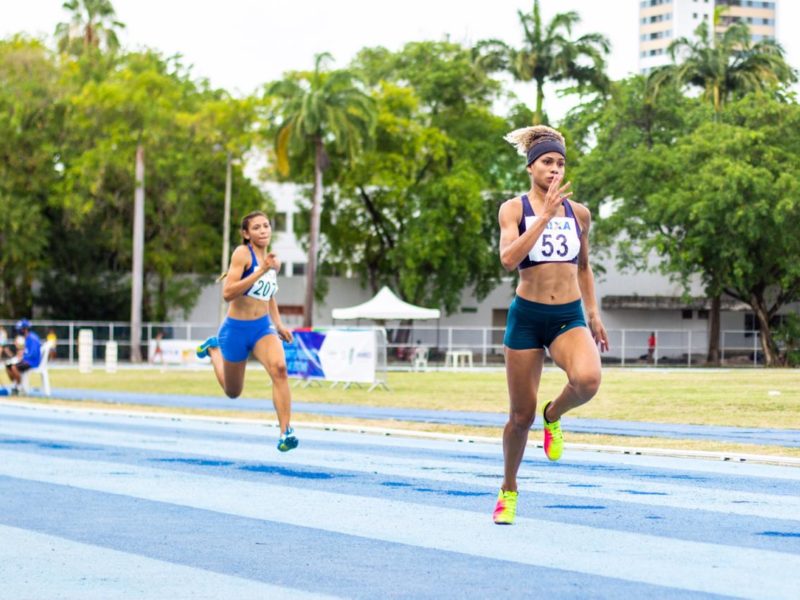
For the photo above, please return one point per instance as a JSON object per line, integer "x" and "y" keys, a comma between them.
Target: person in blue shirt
{"x": 27, "y": 357}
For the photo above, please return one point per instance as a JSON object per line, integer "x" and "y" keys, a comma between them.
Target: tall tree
{"x": 31, "y": 121}
{"x": 548, "y": 54}
{"x": 152, "y": 101}
{"x": 315, "y": 111}
{"x": 417, "y": 211}
{"x": 724, "y": 66}
{"x": 731, "y": 205}
{"x": 93, "y": 25}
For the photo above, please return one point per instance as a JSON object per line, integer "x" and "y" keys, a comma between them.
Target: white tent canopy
{"x": 386, "y": 306}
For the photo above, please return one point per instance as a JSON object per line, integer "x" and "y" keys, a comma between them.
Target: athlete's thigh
{"x": 234, "y": 374}
{"x": 523, "y": 373}
{"x": 576, "y": 352}
{"x": 269, "y": 352}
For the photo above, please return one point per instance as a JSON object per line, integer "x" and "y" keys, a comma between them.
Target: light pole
{"x": 226, "y": 233}
{"x": 137, "y": 269}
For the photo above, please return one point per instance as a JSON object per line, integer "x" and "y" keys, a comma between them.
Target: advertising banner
{"x": 175, "y": 352}
{"x": 348, "y": 355}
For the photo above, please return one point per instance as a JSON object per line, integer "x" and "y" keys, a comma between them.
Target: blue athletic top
{"x": 253, "y": 263}
{"x": 264, "y": 287}
{"x": 565, "y": 233}
{"x": 33, "y": 350}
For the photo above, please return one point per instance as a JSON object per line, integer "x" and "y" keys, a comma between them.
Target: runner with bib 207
{"x": 253, "y": 323}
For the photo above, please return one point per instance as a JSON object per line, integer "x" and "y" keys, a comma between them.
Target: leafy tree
{"x": 315, "y": 111}
{"x": 417, "y": 211}
{"x": 154, "y": 102}
{"x": 31, "y": 111}
{"x": 549, "y": 55}
{"x": 716, "y": 199}
{"x": 724, "y": 66}
{"x": 731, "y": 208}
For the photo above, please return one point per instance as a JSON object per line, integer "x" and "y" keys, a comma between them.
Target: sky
{"x": 241, "y": 44}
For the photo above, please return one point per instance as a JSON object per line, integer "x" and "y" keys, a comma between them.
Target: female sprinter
{"x": 546, "y": 237}
{"x": 253, "y": 323}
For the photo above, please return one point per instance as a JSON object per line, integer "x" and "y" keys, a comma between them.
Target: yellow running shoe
{"x": 506, "y": 508}
{"x": 553, "y": 438}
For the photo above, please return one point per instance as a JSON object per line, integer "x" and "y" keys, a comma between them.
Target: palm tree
{"x": 549, "y": 55}
{"x": 93, "y": 22}
{"x": 730, "y": 65}
{"x": 319, "y": 109}
{"x": 723, "y": 66}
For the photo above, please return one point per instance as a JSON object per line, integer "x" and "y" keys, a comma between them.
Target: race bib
{"x": 559, "y": 241}
{"x": 265, "y": 286}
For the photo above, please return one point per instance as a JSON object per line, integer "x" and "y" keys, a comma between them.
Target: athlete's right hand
{"x": 271, "y": 262}
{"x": 556, "y": 193}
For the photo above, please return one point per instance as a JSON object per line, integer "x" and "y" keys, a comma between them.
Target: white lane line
{"x": 711, "y": 568}
{"x": 36, "y": 565}
{"x": 649, "y": 492}
{"x": 753, "y": 465}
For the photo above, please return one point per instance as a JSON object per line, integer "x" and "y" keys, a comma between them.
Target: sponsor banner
{"x": 348, "y": 355}
{"x": 175, "y": 352}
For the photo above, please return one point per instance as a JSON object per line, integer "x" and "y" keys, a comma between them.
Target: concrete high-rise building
{"x": 663, "y": 21}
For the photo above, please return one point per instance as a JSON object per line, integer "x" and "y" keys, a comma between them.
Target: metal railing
{"x": 674, "y": 347}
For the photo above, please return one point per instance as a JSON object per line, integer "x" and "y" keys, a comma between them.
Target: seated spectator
{"x": 7, "y": 349}
{"x": 28, "y": 356}
{"x": 52, "y": 340}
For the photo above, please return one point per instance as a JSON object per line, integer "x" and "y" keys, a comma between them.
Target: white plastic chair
{"x": 420, "y": 360}
{"x": 41, "y": 370}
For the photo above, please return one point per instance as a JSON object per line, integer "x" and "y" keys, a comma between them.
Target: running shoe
{"x": 287, "y": 441}
{"x": 202, "y": 349}
{"x": 553, "y": 438}
{"x": 506, "y": 508}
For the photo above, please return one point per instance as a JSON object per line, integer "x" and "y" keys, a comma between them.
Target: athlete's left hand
{"x": 285, "y": 335}
{"x": 599, "y": 333}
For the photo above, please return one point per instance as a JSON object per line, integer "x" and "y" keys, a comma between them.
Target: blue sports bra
{"x": 265, "y": 286}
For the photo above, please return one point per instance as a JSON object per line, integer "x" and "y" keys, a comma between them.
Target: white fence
{"x": 674, "y": 347}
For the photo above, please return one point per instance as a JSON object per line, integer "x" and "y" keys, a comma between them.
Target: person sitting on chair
{"x": 28, "y": 356}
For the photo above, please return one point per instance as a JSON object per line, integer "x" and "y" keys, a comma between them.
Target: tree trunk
{"x": 311, "y": 266}
{"x": 537, "y": 116}
{"x": 713, "y": 331}
{"x": 768, "y": 346}
{"x": 226, "y": 236}
{"x": 137, "y": 271}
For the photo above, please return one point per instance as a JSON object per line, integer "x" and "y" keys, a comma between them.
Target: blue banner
{"x": 302, "y": 355}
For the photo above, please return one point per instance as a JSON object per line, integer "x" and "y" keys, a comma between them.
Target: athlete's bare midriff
{"x": 549, "y": 283}
{"x": 247, "y": 309}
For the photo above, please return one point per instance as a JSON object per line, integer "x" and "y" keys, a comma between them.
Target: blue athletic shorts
{"x": 237, "y": 337}
{"x": 536, "y": 325}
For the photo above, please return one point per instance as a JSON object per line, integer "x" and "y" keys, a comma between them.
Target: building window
{"x": 686, "y": 313}
{"x": 299, "y": 269}
{"x": 702, "y": 314}
{"x": 469, "y": 309}
{"x": 279, "y": 222}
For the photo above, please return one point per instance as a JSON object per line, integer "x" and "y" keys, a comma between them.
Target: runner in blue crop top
{"x": 545, "y": 236}
{"x": 253, "y": 323}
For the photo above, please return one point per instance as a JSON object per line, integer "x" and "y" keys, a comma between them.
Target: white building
{"x": 663, "y": 21}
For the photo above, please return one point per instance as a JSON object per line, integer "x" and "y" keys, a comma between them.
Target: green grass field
{"x": 744, "y": 398}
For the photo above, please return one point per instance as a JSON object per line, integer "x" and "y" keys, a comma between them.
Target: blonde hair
{"x": 526, "y": 138}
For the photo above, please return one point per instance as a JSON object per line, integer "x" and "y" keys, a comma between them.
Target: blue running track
{"x": 742, "y": 435}
{"x": 125, "y": 506}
